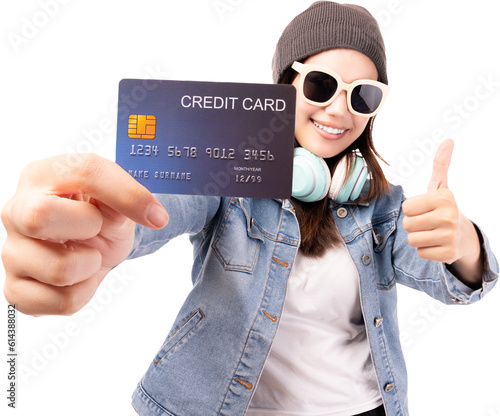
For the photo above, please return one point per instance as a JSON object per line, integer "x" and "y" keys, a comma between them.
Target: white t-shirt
{"x": 320, "y": 363}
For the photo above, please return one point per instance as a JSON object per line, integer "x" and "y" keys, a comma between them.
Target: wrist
{"x": 469, "y": 267}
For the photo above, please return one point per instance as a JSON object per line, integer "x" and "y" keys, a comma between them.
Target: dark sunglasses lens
{"x": 319, "y": 87}
{"x": 366, "y": 99}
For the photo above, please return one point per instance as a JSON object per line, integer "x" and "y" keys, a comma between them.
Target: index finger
{"x": 99, "y": 178}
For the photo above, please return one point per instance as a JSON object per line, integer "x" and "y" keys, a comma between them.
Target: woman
{"x": 237, "y": 347}
{"x": 336, "y": 351}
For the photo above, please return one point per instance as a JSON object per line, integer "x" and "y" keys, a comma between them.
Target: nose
{"x": 339, "y": 105}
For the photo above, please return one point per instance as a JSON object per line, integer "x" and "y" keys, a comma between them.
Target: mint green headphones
{"x": 312, "y": 180}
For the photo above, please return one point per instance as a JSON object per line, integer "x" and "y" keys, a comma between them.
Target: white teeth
{"x": 330, "y": 130}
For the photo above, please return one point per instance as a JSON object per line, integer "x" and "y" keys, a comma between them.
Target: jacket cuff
{"x": 463, "y": 294}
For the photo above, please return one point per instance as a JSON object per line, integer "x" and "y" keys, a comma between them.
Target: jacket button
{"x": 379, "y": 238}
{"x": 378, "y": 321}
{"x": 342, "y": 212}
{"x": 389, "y": 387}
{"x": 366, "y": 259}
{"x": 251, "y": 222}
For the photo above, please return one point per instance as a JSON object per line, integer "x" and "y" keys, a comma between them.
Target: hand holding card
{"x": 67, "y": 231}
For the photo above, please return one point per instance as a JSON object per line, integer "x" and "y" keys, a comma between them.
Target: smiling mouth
{"x": 330, "y": 130}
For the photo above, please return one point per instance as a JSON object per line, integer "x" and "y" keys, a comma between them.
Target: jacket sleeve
{"x": 188, "y": 214}
{"x": 435, "y": 278}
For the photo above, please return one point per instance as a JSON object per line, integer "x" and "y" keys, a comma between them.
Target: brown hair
{"x": 317, "y": 225}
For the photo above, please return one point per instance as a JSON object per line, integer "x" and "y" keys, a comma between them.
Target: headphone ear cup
{"x": 348, "y": 187}
{"x": 311, "y": 176}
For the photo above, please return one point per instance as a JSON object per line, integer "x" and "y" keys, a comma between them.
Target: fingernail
{"x": 157, "y": 216}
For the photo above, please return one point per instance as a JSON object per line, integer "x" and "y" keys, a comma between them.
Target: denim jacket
{"x": 244, "y": 249}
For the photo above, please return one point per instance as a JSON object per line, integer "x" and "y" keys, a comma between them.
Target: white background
{"x": 59, "y": 76}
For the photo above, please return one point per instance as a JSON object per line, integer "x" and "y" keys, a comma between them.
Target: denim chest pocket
{"x": 383, "y": 230}
{"x": 383, "y": 240}
{"x": 237, "y": 240}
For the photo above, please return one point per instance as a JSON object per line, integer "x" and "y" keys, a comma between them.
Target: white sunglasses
{"x": 320, "y": 86}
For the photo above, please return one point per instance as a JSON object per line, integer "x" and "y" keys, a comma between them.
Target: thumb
{"x": 442, "y": 161}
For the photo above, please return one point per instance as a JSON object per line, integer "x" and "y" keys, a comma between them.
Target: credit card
{"x": 207, "y": 138}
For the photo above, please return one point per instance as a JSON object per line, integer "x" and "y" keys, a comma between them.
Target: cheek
{"x": 303, "y": 128}
{"x": 360, "y": 124}
{"x": 302, "y": 112}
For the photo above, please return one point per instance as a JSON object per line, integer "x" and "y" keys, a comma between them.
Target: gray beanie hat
{"x": 327, "y": 25}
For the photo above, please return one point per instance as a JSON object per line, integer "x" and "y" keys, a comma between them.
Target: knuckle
{"x": 68, "y": 305}
{"x": 8, "y": 292}
{"x": 8, "y": 255}
{"x": 406, "y": 206}
{"x": 32, "y": 175}
{"x": 422, "y": 253}
{"x": 73, "y": 298}
{"x": 61, "y": 269}
{"x": 13, "y": 294}
{"x": 35, "y": 215}
{"x": 407, "y": 224}
{"x": 451, "y": 235}
{"x": 90, "y": 167}
{"x": 449, "y": 221}
{"x": 412, "y": 241}
{"x": 5, "y": 215}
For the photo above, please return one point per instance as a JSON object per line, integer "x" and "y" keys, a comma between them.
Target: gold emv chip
{"x": 141, "y": 126}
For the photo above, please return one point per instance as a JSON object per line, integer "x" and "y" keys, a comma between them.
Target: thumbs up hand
{"x": 437, "y": 228}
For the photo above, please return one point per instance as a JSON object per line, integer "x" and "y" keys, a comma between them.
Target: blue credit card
{"x": 207, "y": 138}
